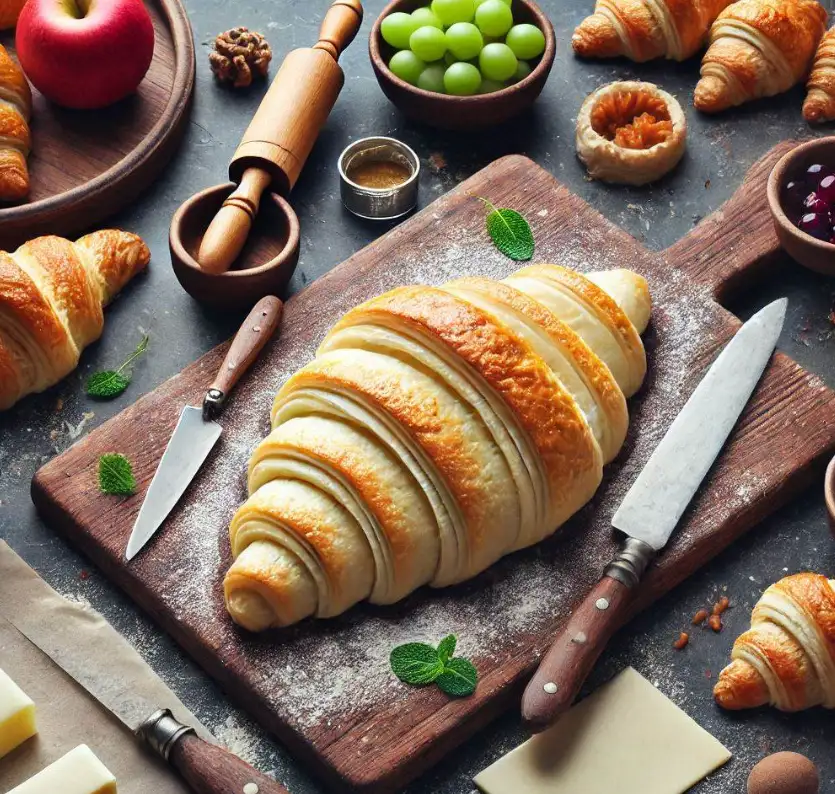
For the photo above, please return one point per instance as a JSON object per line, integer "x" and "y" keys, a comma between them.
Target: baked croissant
{"x": 820, "y": 97}
{"x": 787, "y": 658}
{"x": 436, "y": 430}
{"x": 15, "y": 141}
{"x": 758, "y": 48}
{"x": 51, "y": 296}
{"x": 646, "y": 29}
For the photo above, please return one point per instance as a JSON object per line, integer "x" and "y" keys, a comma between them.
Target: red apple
{"x": 85, "y": 53}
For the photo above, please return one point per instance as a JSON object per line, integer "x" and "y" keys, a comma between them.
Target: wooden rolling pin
{"x": 282, "y": 133}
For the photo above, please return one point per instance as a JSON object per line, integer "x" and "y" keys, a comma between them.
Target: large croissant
{"x": 646, "y": 29}
{"x": 820, "y": 99}
{"x": 758, "y": 48}
{"x": 51, "y": 296}
{"x": 437, "y": 430}
{"x": 787, "y": 658}
{"x": 15, "y": 142}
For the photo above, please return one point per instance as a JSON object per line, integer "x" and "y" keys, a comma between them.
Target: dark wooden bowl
{"x": 465, "y": 112}
{"x": 829, "y": 493}
{"x": 264, "y": 266}
{"x": 809, "y": 252}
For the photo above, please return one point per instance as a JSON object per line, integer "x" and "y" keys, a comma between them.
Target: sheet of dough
{"x": 66, "y": 715}
{"x": 626, "y": 737}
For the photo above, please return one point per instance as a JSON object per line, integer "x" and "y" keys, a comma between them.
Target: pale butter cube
{"x": 78, "y": 772}
{"x": 17, "y": 715}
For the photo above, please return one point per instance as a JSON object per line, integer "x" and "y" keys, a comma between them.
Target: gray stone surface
{"x": 720, "y": 151}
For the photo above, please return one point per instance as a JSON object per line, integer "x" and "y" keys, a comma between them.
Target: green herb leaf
{"x": 458, "y": 678}
{"x": 446, "y": 648}
{"x": 111, "y": 383}
{"x": 510, "y": 232}
{"x": 116, "y": 475}
{"x": 416, "y": 663}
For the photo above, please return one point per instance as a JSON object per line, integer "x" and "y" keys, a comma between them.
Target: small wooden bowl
{"x": 264, "y": 266}
{"x": 829, "y": 493}
{"x": 463, "y": 112}
{"x": 814, "y": 254}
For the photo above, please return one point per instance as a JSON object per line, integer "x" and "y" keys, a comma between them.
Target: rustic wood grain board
{"x": 324, "y": 688}
{"x": 86, "y": 165}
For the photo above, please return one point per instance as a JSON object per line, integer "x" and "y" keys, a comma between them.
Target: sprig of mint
{"x": 419, "y": 664}
{"x": 111, "y": 382}
{"x": 116, "y": 475}
{"x": 509, "y": 231}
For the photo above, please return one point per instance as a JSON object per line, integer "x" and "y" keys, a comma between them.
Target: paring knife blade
{"x": 651, "y": 511}
{"x": 196, "y": 434}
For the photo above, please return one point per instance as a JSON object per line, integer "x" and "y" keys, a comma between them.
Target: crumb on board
{"x": 700, "y": 617}
{"x": 715, "y": 622}
{"x": 681, "y": 643}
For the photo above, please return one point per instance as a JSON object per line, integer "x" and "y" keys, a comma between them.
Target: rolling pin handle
{"x": 340, "y": 25}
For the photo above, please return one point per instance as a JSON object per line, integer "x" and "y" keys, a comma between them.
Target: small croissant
{"x": 820, "y": 99}
{"x": 787, "y": 657}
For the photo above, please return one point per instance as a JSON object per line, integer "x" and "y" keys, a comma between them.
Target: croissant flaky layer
{"x": 758, "y": 48}
{"x": 787, "y": 657}
{"x": 51, "y": 296}
{"x": 646, "y": 29}
{"x": 437, "y": 429}
{"x": 15, "y": 141}
{"x": 820, "y": 97}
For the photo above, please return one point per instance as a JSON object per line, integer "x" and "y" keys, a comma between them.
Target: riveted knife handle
{"x": 576, "y": 649}
{"x": 253, "y": 334}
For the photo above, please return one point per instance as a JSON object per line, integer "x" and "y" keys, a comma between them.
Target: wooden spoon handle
{"x": 209, "y": 769}
{"x": 253, "y": 334}
{"x": 340, "y": 25}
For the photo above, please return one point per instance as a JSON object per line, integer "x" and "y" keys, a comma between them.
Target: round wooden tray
{"x": 86, "y": 165}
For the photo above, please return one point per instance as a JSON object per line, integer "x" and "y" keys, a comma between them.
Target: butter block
{"x": 78, "y": 772}
{"x": 17, "y": 715}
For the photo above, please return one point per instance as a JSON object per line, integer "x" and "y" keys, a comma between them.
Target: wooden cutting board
{"x": 87, "y": 165}
{"x": 324, "y": 688}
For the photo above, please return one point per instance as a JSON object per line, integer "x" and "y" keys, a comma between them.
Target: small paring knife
{"x": 650, "y": 512}
{"x": 196, "y": 434}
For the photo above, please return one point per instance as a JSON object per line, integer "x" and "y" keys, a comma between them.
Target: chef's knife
{"x": 196, "y": 433}
{"x": 650, "y": 512}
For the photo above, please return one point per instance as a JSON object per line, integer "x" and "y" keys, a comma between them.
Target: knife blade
{"x": 196, "y": 433}
{"x": 651, "y": 511}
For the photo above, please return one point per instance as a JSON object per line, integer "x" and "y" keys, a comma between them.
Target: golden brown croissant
{"x": 436, "y": 430}
{"x": 787, "y": 657}
{"x": 758, "y": 48}
{"x": 15, "y": 142}
{"x": 51, "y": 296}
{"x": 820, "y": 97}
{"x": 646, "y": 29}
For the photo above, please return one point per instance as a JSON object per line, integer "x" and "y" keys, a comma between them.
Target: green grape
{"x": 489, "y": 86}
{"x": 497, "y": 62}
{"x": 523, "y": 69}
{"x": 462, "y": 79}
{"x": 526, "y": 41}
{"x": 407, "y": 66}
{"x": 432, "y": 78}
{"x": 463, "y": 40}
{"x": 397, "y": 28}
{"x": 424, "y": 16}
{"x": 494, "y": 18}
{"x": 508, "y": 3}
{"x": 428, "y": 43}
{"x": 452, "y": 11}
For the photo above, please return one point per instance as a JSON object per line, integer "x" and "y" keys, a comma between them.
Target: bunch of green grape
{"x": 461, "y": 47}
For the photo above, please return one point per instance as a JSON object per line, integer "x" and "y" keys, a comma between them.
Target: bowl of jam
{"x": 801, "y": 196}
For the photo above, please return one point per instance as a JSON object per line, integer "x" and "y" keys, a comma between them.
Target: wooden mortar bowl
{"x": 808, "y": 251}
{"x": 829, "y": 493}
{"x": 463, "y": 112}
{"x": 264, "y": 266}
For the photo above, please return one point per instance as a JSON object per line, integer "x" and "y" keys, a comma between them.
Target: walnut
{"x": 239, "y": 56}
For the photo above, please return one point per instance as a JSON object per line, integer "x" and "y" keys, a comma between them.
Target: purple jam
{"x": 810, "y": 202}
{"x": 816, "y": 224}
{"x": 814, "y": 203}
{"x": 826, "y": 190}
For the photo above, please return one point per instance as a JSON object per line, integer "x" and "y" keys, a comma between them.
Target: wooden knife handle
{"x": 572, "y": 656}
{"x": 209, "y": 769}
{"x": 253, "y": 334}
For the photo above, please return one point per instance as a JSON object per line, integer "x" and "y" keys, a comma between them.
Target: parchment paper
{"x": 66, "y": 714}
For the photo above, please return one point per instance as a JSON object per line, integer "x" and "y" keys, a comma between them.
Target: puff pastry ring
{"x": 630, "y": 132}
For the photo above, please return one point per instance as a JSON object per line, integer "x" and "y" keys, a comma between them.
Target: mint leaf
{"x": 416, "y": 663}
{"x": 510, "y": 232}
{"x": 458, "y": 678}
{"x": 446, "y": 647}
{"x": 111, "y": 383}
{"x": 116, "y": 475}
